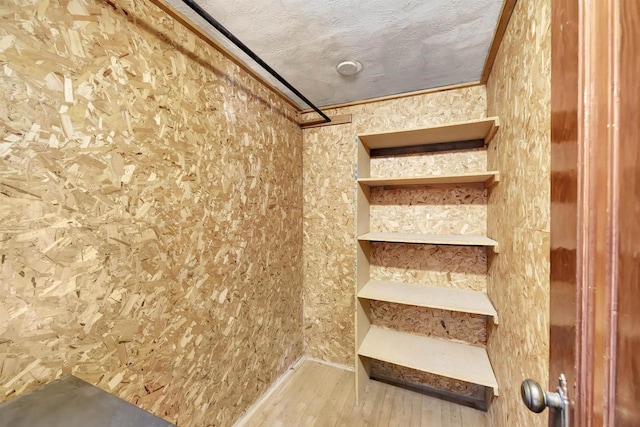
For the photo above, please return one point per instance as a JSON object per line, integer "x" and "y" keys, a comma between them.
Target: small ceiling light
{"x": 349, "y": 68}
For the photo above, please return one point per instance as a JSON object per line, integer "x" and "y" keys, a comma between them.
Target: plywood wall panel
{"x": 451, "y": 325}
{"x": 438, "y": 163}
{"x": 329, "y": 200}
{"x": 518, "y": 214}
{"x": 448, "y": 266}
{"x": 436, "y": 210}
{"x": 150, "y": 213}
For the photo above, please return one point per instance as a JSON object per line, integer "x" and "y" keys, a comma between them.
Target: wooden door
{"x": 595, "y": 209}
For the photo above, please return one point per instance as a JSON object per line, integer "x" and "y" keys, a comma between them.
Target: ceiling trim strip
{"x": 498, "y": 35}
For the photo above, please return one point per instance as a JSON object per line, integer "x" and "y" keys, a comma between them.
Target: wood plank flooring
{"x": 320, "y": 395}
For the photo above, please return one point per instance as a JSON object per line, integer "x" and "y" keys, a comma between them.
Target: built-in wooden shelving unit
{"x": 433, "y": 355}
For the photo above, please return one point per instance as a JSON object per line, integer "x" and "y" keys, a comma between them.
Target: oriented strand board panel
{"x": 519, "y": 91}
{"x": 452, "y": 325}
{"x": 150, "y": 213}
{"x": 329, "y": 246}
{"x": 457, "y": 210}
{"x": 461, "y": 267}
{"x": 437, "y": 163}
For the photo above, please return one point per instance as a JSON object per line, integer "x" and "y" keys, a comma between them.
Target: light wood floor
{"x": 320, "y": 395}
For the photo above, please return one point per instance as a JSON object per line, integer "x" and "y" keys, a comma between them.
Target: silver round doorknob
{"x": 536, "y": 399}
{"x": 533, "y": 395}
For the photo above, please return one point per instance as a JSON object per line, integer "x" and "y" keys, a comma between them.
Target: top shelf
{"x": 481, "y": 178}
{"x": 483, "y": 129}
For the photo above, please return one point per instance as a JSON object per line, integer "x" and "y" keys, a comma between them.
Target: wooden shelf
{"x": 461, "y": 300}
{"x": 430, "y": 239}
{"x": 440, "y": 357}
{"x": 485, "y": 178}
{"x": 463, "y": 131}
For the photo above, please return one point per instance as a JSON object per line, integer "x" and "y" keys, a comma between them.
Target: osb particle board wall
{"x": 150, "y": 212}
{"x": 518, "y": 215}
{"x": 329, "y": 244}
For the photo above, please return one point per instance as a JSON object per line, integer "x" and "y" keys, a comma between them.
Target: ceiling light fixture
{"x": 349, "y": 68}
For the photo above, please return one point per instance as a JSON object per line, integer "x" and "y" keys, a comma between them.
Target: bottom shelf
{"x": 441, "y": 357}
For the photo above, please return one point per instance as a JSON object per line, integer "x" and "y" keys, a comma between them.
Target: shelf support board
{"x": 495, "y": 179}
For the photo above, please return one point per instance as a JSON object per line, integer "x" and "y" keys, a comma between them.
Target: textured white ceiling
{"x": 404, "y": 45}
